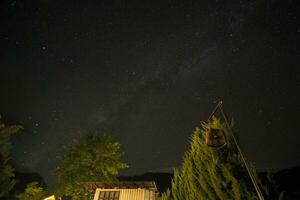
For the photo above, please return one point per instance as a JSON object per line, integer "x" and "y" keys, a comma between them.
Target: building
{"x": 125, "y": 190}
{"x": 50, "y": 198}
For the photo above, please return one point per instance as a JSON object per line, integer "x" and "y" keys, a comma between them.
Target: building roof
{"x": 92, "y": 186}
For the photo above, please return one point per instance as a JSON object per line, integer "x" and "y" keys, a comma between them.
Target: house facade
{"x": 126, "y": 190}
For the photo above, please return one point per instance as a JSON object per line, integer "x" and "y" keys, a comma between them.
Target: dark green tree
{"x": 92, "y": 157}
{"x": 7, "y": 181}
{"x": 211, "y": 173}
{"x": 32, "y": 192}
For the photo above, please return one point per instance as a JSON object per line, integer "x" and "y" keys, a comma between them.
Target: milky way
{"x": 148, "y": 74}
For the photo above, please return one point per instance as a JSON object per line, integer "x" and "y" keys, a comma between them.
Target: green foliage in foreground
{"x": 92, "y": 157}
{"x": 32, "y": 192}
{"x": 7, "y": 181}
{"x": 210, "y": 173}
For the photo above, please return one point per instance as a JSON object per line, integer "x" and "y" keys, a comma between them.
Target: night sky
{"x": 147, "y": 73}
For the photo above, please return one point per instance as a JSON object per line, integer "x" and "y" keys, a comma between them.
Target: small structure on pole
{"x": 215, "y": 138}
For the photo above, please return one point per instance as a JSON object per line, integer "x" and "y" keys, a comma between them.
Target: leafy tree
{"x": 92, "y": 157}
{"x": 32, "y": 192}
{"x": 211, "y": 173}
{"x": 7, "y": 181}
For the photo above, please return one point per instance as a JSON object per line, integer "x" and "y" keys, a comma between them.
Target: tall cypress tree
{"x": 211, "y": 173}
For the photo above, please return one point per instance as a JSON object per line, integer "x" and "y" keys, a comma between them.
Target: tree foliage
{"x": 165, "y": 196}
{"x": 7, "y": 181}
{"x": 92, "y": 157}
{"x": 32, "y": 192}
{"x": 210, "y": 173}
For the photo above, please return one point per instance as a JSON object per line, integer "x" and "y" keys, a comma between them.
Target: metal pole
{"x": 248, "y": 168}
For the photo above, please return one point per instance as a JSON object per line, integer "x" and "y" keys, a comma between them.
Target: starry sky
{"x": 147, "y": 73}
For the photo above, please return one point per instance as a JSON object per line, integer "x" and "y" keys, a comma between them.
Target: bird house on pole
{"x": 215, "y": 138}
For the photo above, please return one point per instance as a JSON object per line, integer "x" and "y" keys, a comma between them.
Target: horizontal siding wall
{"x": 132, "y": 194}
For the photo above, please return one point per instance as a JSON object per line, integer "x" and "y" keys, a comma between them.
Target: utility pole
{"x": 246, "y": 163}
